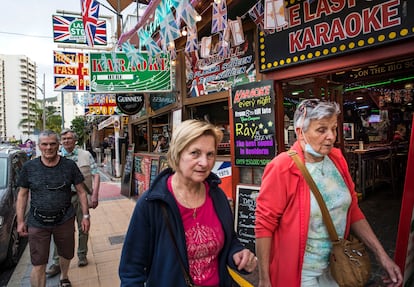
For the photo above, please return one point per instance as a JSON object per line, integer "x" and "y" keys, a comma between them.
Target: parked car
{"x": 11, "y": 162}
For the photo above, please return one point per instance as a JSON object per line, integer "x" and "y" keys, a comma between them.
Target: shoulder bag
{"x": 349, "y": 261}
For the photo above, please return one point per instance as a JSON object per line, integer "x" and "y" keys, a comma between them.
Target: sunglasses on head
{"x": 311, "y": 103}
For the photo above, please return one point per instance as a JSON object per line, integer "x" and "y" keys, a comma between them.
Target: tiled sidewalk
{"x": 109, "y": 223}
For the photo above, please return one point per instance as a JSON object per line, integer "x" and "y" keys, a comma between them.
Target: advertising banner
{"x": 100, "y": 105}
{"x": 114, "y": 73}
{"x": 217, "y": 72}
{"x": 70, "y": 30}
{"x": 322, "y": 29}
{"x": 254, "y": 127}
{"x": 71, "y": 71}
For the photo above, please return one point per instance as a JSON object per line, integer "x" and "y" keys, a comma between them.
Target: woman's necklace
{"x": 178, "y": 191}
{"x": 189, "y": 206}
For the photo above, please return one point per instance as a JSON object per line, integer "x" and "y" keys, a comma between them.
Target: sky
{"x": 26, "y": 29}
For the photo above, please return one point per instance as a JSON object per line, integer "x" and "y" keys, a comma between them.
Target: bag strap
{"x": 325, "y": 212}
{"x": 187, "y": 277}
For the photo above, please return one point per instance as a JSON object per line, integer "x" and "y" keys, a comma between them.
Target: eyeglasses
{"x": 311, "y": 103}
{"x": 59, "y": 187}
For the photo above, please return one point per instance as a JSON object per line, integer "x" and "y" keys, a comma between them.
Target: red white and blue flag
{"x": 219, "y": 18}
{"x": 192, "y": 41}
{"x": 90, "y": 13}
{"x": 66, "y": 30}
{"x": 257, "y": 15}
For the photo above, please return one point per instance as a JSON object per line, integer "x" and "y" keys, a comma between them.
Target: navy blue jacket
{"x": 148, "y": 254}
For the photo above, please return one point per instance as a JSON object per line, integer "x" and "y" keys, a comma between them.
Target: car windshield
{"x": 3, "y": 173}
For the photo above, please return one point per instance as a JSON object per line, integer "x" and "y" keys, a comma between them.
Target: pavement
{"x": 110, "y": 220}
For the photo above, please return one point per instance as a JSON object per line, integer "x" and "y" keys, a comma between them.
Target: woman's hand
{"x": 245, "y": 259}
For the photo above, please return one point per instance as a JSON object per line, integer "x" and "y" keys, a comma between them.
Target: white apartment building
{"x": 16, "y": 97}
{"x": 69, "y": 105}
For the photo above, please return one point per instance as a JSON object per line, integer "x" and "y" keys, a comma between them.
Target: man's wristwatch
{"x": 86, "y": 216}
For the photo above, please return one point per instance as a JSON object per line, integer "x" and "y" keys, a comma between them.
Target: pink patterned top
{"x": 204, "y": 238}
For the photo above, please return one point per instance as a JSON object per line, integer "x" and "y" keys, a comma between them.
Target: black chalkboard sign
{"x": 126, "y": 183}
{"x": 245, "y": 218}
{"x": 254, "y": 123}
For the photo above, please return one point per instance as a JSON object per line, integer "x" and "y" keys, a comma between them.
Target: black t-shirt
{"x": 50, "y": 187}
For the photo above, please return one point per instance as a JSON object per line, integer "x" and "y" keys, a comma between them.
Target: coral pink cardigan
{"x": 282, "y": 213}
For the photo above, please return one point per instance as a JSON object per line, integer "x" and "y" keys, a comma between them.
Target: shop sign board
{"x": 322, "y": 29}
{"x": 100, "y": 105}
{"x": 115, "y": 73}
{"x": 254, "y": 126}
{"x": 71, "y": 71}
{"x": 130, "y": 104}
{"x": 217, "y": 73}
{"x": 158, "y": 101}
{"x": 245, "y": 217}
{"x": 70, "y": 30}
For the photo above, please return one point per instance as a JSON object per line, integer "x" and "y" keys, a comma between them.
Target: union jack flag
{"x": 62, "y": 32}
{"x": 257, "y": 15}
{"x": 219, "y": 18}
{"x": 169, "y": 31}
{"x": 224, "y": 48}
{"x": 186, "y": 12}
{"x": 192, "y": 41}
{"x": 90, "y": 11}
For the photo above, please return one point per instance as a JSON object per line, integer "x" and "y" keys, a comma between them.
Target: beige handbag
{"x": 349, "y": 261}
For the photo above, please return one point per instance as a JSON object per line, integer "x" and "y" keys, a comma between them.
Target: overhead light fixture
{"x": 198, "y": 18}
{"x": 184, "y": 31}
{"x": 359, "y": 98}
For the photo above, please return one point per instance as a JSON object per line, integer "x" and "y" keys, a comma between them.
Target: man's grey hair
{"x": 65, "y": 131}
{"x": 49, "y": 133}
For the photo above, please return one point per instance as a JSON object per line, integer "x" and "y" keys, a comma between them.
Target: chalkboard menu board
{"x": 245, "y": 214}
{"x": 254, "y": 123}
{"x": 126, "y": 183}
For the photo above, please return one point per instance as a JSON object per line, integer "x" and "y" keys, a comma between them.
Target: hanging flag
{"x": 169, "y": 31}
{"x": 257, "y": 15}
{"x": 192, "y": 40}
{"x": 237, "y": 33}
{"x": 219, "y": 18}
{"x": 280, "y": 13}
{"x": 185, "y": 12}
{"x": 161, "y": 11}
{"x": 90, "y": 12}
{"x": 270, "y": 15}
{"x": 133, "y": 55}
{"x": 205, "y": 47}
{"x": 152, "y": 47}
{"x": 224, "y": 48}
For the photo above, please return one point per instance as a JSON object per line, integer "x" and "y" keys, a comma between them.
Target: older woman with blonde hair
{"x": 181, "y": 231}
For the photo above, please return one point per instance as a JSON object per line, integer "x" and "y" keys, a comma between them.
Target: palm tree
{"x": 53, "y": 119}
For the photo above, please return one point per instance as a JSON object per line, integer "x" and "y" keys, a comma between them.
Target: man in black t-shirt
{"x": 48, "y": 179}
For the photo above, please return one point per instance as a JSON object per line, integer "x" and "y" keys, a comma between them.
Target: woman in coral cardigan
{"x": 292, "y": 242}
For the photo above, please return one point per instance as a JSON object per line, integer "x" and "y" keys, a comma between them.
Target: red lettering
{"x": 353, "y": 25}
{"x": 293, "y": 14}
{"x": 308, "y": 16}
{"x": 294, "y": 41}
{"x": 337, "y": 31}
{"x": 323, "y": 8}
{"x": 370, "y": 19}
{"x": 321, "y": 33}
{"x": 390, "y": 9}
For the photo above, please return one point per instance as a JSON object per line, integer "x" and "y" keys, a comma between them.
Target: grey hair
{"x": 48, "y": 133}
{"x": 314, "y": 109}
{"x": 65, "y": 131}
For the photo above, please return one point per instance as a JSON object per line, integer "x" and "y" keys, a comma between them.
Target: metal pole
{"x": 43, "y": 103}
{"x": 62, "y": 100}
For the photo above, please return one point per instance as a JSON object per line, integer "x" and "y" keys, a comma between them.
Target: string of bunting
{"x": 230, "y": 31}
